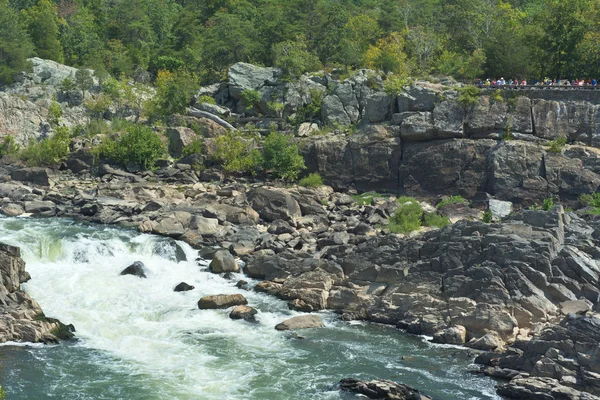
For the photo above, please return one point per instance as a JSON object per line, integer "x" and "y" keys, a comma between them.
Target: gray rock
{"x": 136, "y": 269}
{"x": 183, "y": 287}
{"x": 223, "y": 261}
{"x": 243, "y": 312}
{"x": 499, "y": 208}
{"x": 333, "y": 112}
{"x": 243, "y": 76}
{"x": 179, "y": 138}
{"x": 379, "y": 107}
{"x": 307, "y": 129}
{"x": 381, "y": 389}
{"x": 453, "y": 335}
{"x": 37, "y": 175}
{"x": 273, "y": 204}
{"x": 418, "y": 128}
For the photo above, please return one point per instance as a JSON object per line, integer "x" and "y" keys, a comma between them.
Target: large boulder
{"x": 381, "y": 389}
{"x": 243, "y": 312}
{"x": 37, "y": 175}
{"x": 379, "y": 107}
{"x": 179, "y": 138}
{"x": 221, "y": 301}
{"x": 244, "y": 76}
{"x": 300, "y": 322}
{"x": 333, "y": 111}
{"x": 274, "y": 204}
{"x": 222, "y": 262}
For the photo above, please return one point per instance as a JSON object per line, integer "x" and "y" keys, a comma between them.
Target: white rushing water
{"x": 140, "y": 339}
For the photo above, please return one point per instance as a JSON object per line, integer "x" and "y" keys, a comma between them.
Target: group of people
{"x": 545, "y": 82}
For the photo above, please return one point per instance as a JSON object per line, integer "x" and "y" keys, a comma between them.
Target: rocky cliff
{"x": 21, "y": 317}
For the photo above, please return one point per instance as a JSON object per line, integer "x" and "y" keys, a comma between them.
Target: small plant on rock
{"x": 557, "y": 145}
{"x": 469, "y": 95}
{"x": 48, "y": 151}
{"x": 311, "y": 180}
{"x": 193, "y": 148}
{"x": 407, "y": 217}
{"x": 435, "y": 219}
{"x": 457, "y": 199}
{"x": 548, "y": 204}
{"x": 251, "y": 97}
{"x": 206, "y": 99}
{"x": 487, "y": 217}
{"x": 8, "y": 146}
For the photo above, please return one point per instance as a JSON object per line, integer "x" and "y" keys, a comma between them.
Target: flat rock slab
{"x": 381, "y": 389}
{"x": 300, "y": 322}
{"x": 221, "y": 301}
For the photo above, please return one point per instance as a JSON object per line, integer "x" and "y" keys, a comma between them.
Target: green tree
{"x": 174, "y": 92}
{"x": 15, "y": 45}
{"x": 281, "y": 156}
{"x": 42, "y": 24}
{"x": 294, "y": 59}
{"x": 388, "y": 55}
{"x": 84, "y": 80}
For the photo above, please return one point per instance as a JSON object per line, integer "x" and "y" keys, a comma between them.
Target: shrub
{"x": 487, "y": 217}
{"x": 557, "y": 145}
{"x": 452, "y": 200}
{"x": 140, "y": 145}
{"x": 366, "y": 199}
{"x": 548, "y": 204}
{"x": 8, "y": 146}
{"x": 435, "y": 219}
{"x": 407, "y": 217}
{"x": 206, "y": 99}
{"x": 312, "y": 110}
{"x": 468, "y": 95}
{"x": 281, "y": 156}
{"x": 588, "y": 200}
{"x": 174, "y": 92}
{"x": 276, "y": 107}
{"x": 236, "y": 154}
{"x": 193, "y": 148}
{"x": 54, "y": 113}
{"x": 394, "y": 85}
{"x": 48, "y": 151}
{"x": 251, "y": 97}
{"x": 311, "y": 180}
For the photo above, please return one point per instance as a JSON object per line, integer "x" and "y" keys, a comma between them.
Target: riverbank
{"x": 496, "y": 287}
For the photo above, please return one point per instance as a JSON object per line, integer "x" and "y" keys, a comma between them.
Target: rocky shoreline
{"x": 503, "y": 288}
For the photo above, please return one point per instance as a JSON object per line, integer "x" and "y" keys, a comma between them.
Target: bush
{"x": 54, "y": 113}
{"x": 48, "y": 151}
{"x": 435, "y": 219}
{"x": 548, "y": 204}
{"x": 236, "y": 154}
{"x": 407, "y": 217}
{"x": 281, "y": 156}
{"x": 312, "y": 110}
{"x": 251, "y": 97}
{"x": 140, "y": 145}
{"x": 557, "y": 145}
{"x": 193, "y": 148}
{"x": 469, "y": 95}
{"x": 366, "y": 199}
{"x": 174, "y": 92}
{"x": 588, "y": 200}
{"x": 451, "y": 200}
{"x": 311, "y": 180}
{"x": 8, "y": 146}
{"x": 394, "y": 85}
{"x": 487, "y": 217}
{"x": 206, "y": 99}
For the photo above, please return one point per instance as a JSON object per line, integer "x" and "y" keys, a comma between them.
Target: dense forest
{"x": 461, "y": 38}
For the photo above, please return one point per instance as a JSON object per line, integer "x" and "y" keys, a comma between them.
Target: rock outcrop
{"x": 21, "y": 317}
{"x": 221, "y": 301}
{"x": 381, "y": 389}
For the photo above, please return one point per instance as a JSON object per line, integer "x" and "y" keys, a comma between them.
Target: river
{"x": 138, "y": 339}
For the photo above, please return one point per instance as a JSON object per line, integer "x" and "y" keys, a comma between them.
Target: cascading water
{"x": 138, "y": 339}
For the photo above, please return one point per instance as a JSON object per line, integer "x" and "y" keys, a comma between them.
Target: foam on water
{"x": 141, "y": 328}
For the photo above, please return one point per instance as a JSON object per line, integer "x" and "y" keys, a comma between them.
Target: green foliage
{"x": 251, "y": 97}
{"x": 366, "y": 199}
{"x": 394, "y": 85}
{"x": 174, "y": 92}
{"x": 311, "y": 180}
{"x": 469, "y": 95}
{"x": 15, "y": 44}
{"x": 237, "y": 154}
{"x": 193, "y": 148}
{"x": 84, "y": 80}
{"x": 487, "y": 217}
{"x": 48, "y": 151}
{"x": 8, "y": 146}
{"x": 590, "y": 200}
{"x": 54, "y": 113}
{"x": 407, "y": 217}
{"x": 206, "y": 99}
{"x": 557, "y": 145}
{"x": 140, "y": 146}
{"x": 276, "y": 107}
{"x": 435, "y": 219}
{"x": 2, "y": 393}
{"x": 452, "y": 200}
{"x": 548, "y": 204}
{"x": 293, "y": 57}
{"x": 42, "y": 23}
{"x": 281, "y": 156}
{"x": 312, "y": 110}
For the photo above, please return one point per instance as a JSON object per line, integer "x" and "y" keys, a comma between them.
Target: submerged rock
{"x": 137, "y": 269}
{"x": 184, "y": 287}
{"x": 300, "y": 322}
{"x": 221, "y": 301}
{"x": 381, "y": 389}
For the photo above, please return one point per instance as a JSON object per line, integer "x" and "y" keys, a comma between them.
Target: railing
{"x": 539, "y": 87}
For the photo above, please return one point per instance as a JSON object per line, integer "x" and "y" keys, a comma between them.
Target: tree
{"x": 42, "y": 24}
{"x": 294, "y": 59}
{"x": 15, "y": 45}
{"x": 84, "y": 80}
{"x": 174, "y": 92}
{"x": 388, "y": 55}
